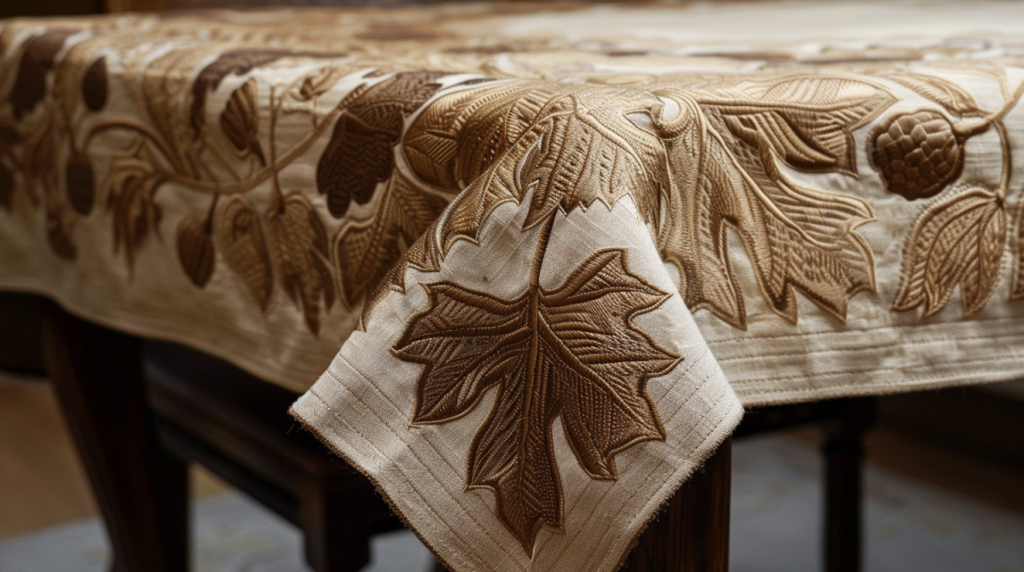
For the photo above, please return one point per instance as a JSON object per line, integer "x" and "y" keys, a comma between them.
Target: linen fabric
{"x": 504, "y": 215}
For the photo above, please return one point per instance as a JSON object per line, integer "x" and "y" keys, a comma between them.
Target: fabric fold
{"x": 531, "y": 403}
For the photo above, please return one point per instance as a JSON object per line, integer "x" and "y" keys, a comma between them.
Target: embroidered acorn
{"x": 919, "y": 153}
{"x": 80, "y": 182}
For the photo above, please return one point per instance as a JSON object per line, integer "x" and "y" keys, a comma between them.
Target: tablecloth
{"x": 504, "y": 215}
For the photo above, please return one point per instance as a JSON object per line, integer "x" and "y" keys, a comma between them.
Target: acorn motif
{"x": 918, "y": 154}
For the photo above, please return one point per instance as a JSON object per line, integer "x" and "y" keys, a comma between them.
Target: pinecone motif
{"x": 918, "y": 154}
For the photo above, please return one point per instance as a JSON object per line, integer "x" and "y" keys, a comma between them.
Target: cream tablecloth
{"x": 504, "y": 215}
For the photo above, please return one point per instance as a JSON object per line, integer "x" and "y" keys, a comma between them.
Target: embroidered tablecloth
{"x": 504, "y": 215}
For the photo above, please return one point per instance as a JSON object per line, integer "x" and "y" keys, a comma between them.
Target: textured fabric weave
{"x": 504, "y": 215}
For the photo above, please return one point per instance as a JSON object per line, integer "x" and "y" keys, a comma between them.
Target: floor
{"x": 928, "y": 508}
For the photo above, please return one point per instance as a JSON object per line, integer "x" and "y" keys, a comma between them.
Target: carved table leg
{"x": 142, "y": 490}
{"x": 844, "y": 453}
{"x": 692, "y": 532}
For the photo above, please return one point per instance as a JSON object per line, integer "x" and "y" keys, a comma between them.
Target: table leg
{"x": 692, "y": 532}
{"x": 844, "y": 454}
{"x": 142, "y": 490}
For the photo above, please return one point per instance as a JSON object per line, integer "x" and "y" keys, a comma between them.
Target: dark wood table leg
{"x": 337, "y": 518}
{"x": 142, "y": 490}
{"x": 692, "y": 532}
{"x": 844, "y": 454}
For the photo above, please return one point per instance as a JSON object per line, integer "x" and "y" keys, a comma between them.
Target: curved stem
{"x": 1004, "y": 141}
{"x": 266, "y": 172}
{"x": 139, "y": 128}
{"x": 996, "y": 117}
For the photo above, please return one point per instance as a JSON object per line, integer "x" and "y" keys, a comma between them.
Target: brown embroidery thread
{"x": 571, "y": 353}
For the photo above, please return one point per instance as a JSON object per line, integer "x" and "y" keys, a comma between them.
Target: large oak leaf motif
{"x": 547, "y": 362}
{"x": 727, "y": 147}
{"x": 573, "y": 145}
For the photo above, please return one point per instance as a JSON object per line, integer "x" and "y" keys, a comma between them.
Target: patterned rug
{"x": 776, "y": 528}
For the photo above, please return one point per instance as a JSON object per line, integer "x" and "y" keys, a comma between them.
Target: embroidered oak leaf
{"x": 572, "y": 145}
{"x": 300, "y": 247}
{"x": 245, "y": 249}
{"x": 130, "y": 188}
{"x": 359, "y": 154}
{"x": 727, "y": 146}
{"x": 547, "y": 362}
{"x": 958, "y": 241}
{"x": 365, "y": 251}
{"x": 240, "y": 120}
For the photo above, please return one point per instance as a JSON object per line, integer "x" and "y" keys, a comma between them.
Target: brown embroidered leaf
{"x": 725, "y": 144}
{"x": 242, "y": 243}
{"x": 195, "y": 249}
{"x": 959, "y": 240}
{"x": 366, "y": 250}
{"x": 57, "y": 234}
{"x": 237, "y": 62}
{"x": 130, "y": 188}
{"x": 573, "y": 145}
{"x": 941, "y": 91}
{"x": 320, "y": 82}
{"x": 240, "y": 120}
{"x": 94, "y": 85}
{"x": 359, "y": 154}
{"x": 300, "y": 251}
{"x": 36, "y": 62}
{"x": 80, "y": 182}
{"x": 546, "y": 363}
